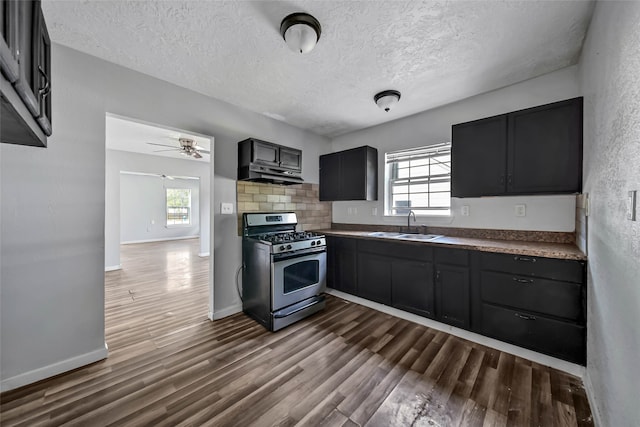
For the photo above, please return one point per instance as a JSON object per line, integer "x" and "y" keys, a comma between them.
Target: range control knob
{"x": 319, "y": 242}
{"x": 313, "y": 243}
{"x": 281, "y": 248}
{"x": 289, "y": 247}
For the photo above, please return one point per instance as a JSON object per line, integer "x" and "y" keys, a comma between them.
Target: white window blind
{"x": 419, "y": 179}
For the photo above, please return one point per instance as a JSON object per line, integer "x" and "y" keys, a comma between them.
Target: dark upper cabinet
{"x": 349, "y": 175}
{"x": 479, "y": 153}
{"x": 9, "y": 41}
{"x": 253, "y": 151}
{"x": 341, "y": 264}
{"x": 25, "y": 96}
{"x": 532, "y": 151}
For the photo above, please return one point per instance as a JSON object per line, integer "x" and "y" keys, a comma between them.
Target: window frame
{"x": 391, "y": 159}
{"x": 167, "y": 207}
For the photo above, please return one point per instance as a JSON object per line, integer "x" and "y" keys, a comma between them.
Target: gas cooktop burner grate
{"x": 288, "y": 237}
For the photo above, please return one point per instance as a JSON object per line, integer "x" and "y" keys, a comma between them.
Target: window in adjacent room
{"x": 418, "y": 180}
{"x": 178, "y": 206}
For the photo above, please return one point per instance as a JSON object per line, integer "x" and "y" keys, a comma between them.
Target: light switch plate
{"x": 465, "y": 210}
{"x": 521, "y": 210}
{"x": 226, "y": 208}
{"x": 631, "y": 206}
{"x": 374, "y": 211}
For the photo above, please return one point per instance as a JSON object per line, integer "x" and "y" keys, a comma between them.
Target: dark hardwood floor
{"x": 349, "y": 365}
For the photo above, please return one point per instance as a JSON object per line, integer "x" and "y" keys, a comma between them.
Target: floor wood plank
{"x": 348, "y": 365}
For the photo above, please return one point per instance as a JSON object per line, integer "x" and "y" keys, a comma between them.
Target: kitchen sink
{"x": 422, "y": 237}
{"x": 384, "y": 234}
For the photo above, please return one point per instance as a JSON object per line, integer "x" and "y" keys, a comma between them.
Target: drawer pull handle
{"x": 522, "y": 316}
{"x": 524, "y": 259}
{"x": 516, "y": 279}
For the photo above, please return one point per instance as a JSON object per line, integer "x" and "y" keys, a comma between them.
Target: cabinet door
{"x": 341, "y": 264}
{"x": 478, "y": 157}
{"x": 452, "y": 287}
{"x": 28, "y": 81}
{"x": 353, "y": 174}
{"x": 265, "y": 153}
{"x": 9, "y": 40}
{"x": 545, "y": 149}
{"x": 42, "y": 65}
{"x": 290, "y": 158}
{"x": 412, "y": 287}
{"x": 329, "y": 177}
{"x": 374, "y": 277}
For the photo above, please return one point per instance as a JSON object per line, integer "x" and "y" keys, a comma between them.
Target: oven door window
{"x": 300, "y": 275}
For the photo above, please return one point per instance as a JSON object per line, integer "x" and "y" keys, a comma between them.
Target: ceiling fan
{"x": 188, "y": 147}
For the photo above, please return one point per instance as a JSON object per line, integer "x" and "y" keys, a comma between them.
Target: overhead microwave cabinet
{"x": 269, "y": 154}
{"x": 25, "y": 84}
{"x": 349, "y": 175}
{"x": 532, "y": 151}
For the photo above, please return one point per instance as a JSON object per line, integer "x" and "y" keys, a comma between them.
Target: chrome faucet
{"x": 409, "y": 221}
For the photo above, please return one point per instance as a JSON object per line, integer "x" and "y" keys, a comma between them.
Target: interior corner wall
{"x": 545, "y": 213}
{"x": 610, "y": 81}
{"x": 53, "y": 208}
{"x": 117, "y": 161}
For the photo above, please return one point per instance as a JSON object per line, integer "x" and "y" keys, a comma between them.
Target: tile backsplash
{"x": 303, "y": 199}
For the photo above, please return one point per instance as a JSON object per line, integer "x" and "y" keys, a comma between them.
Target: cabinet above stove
{"x": 263, "y": 161}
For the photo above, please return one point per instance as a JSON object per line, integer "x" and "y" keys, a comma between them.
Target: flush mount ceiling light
{"x": 387, "y": 99}
{"x": 301, "y": 31}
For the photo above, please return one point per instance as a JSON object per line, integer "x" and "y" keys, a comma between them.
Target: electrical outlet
{"x": 374, "y": 211}
{"x": 521, "y": 210}
{"x": 585, "y": 204}
{"x": 631, "y": 206}
{"x": 226, "y": 208}
{"x": 465, "y": 210}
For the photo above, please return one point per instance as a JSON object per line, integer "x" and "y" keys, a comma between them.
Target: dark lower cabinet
{"x": 413, "y": 287}
{"x": 550, "y": 336}
{"x": 452, "y": 290}
{"x": 452, "y": 287}
{"x": 341, "y": 264}
{"x": 533, "y": 302}
{"x": 374, "y": 277}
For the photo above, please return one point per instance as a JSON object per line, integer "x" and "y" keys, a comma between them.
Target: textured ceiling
{"x": 126, "y": 135}
{"x": 433, "y": 52}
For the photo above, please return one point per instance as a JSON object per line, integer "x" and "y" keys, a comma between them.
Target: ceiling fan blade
{"x": 203, "y": 151}
{"x": 162, "y": 151}
{"x": 197, "y": 155}
{"x": 163, "y": 145}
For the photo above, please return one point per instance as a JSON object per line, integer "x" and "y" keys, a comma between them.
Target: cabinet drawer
{"x": 452, "y": 256}
{"x": 413, "y": 251}
{"x": 556, "y": 338}
{"x": 545, "y": 296}
{"x": 556, "y": 269}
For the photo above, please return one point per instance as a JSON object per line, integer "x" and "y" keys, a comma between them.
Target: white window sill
{"x": 177, "y": 225}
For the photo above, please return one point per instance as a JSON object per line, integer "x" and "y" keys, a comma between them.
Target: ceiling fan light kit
{"x": 387, "y": 99}
{"x": 300, "y": 31}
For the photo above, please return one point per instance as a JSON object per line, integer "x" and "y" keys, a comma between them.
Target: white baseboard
{"x": 591, "y": 396}
{"x": 113, "y": 267}
{"x": 542, "y": 359}
{"x": 225, "y": 312}
{"x": 204, "y": 254}
{"x": 55, "y": 369}
{"x": 162, "y": 239}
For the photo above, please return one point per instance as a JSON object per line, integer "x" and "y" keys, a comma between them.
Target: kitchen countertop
{"x": 540, "y": 249}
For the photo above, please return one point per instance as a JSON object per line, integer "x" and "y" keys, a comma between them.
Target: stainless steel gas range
{"x": 284, "y": 272}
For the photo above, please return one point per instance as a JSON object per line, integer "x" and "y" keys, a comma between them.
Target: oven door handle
{"x": 298, "y": 254}
{"x": 288, "y": 311}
